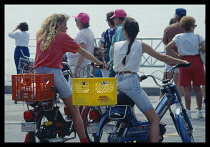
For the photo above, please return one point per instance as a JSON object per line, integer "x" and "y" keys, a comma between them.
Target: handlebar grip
{"x": 98, "y": 66}
{"x": 92, "y": 64}
{"x": 183, "y": 65}
{"x": 143, "y": 77}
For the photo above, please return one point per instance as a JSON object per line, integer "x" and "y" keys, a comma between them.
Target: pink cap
{"x": 119, "y": 13}
{"x": 83, "y": 17}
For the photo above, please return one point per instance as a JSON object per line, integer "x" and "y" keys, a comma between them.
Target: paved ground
{"x": 14, "y": 116}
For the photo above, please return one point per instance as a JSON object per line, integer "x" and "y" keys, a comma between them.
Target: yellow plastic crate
{"x": 94, "y": 91}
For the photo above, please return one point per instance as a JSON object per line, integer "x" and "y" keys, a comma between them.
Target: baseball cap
{"x": 180, "y": 11}
{"x": 119, "y": 13}
{"x": 83, "y": 17}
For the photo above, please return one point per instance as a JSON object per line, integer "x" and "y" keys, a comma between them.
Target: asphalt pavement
{"x": 14, "y": 117}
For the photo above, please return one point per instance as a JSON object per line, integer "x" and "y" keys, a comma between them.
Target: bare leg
{"x": 204, "y": 91}
{"x": 77, "y": 119}
{"x": 179, "y": 88}
{"x": 187, "y": 95}
{"x": 198, "y": 94}
{"x": 167, "y": 75}
{"x": 154, "y": 120}
{"x": 204, "y": 86}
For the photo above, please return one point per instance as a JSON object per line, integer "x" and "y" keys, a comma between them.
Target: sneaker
{"x": 189, "y": 114}
{"x": 178, "y": 106}
{"x": 199, "y": 114}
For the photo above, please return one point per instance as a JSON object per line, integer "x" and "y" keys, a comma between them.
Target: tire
{"x": 38, "y": 136}
{"x": 183, "y": 127}
{"x": 103, "y": 136}
{"x": 85, "y": 116}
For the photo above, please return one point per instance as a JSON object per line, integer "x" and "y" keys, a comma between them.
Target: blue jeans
{"x": 130, "y": 85}
{"x": 18, "y": 54}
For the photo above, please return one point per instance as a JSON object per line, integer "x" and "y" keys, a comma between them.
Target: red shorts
{"x": 194, "y": 74}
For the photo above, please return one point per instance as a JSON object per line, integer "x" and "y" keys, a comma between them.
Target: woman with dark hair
{"x": 126, "y": 58}
{"x": 21, "y": 41}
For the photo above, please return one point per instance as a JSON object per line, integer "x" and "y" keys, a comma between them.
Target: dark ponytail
{"x": 128, "y": 51}
{"x": 132, "y": 28}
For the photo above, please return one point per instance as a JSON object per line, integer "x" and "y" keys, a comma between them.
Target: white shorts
{"x": 169, "y": 67}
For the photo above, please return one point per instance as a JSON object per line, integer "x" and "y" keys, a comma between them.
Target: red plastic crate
{"x": 32, "y": 87}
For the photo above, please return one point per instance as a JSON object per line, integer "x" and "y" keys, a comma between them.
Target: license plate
{"x": 93, "y": 127}
{"x": 28, "y": 126}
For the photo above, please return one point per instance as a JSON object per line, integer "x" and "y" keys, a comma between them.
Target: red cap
{"x": 83, "y": 17}
{"x": 119, "y": 13}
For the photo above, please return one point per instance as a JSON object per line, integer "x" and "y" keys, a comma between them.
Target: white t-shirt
{"x": 84, "y": 36}
{"x": 188, "y": 43}
{"x": 21, "y": 38}
{"x": 133, "y": 59}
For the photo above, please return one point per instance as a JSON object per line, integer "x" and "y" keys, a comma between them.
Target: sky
{"x": 152, "y": 20}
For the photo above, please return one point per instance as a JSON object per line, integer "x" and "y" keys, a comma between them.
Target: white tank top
{"x": 133, "y": 59}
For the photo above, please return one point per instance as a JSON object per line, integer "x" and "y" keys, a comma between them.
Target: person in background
{"x": 85, "y": 38}
{"x": 21, "y": 41}
{"x": 172, "y": 21}
{"x": 169, "y": 32}
{"x": 65, "y": 67}
{"x": 106, "y": 40}
{"x": 188, "y": 45}
{"x": 165, "y": 75}
{"x": 118, "y": 17}
{"x": 204, "y": 86}
{"x": 52, "y": 43}
{"x": 126, "y": 58}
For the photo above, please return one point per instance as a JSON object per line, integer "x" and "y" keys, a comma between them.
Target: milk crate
{"x": 32, "y": 87}
{"x": 94, "y": 91}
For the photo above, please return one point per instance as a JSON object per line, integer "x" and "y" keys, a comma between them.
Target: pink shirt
{"x": 53, "y": 56}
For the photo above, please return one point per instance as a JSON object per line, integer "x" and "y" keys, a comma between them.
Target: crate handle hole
{"x": 83, "y": 83}
{"x": 105, "y": 82}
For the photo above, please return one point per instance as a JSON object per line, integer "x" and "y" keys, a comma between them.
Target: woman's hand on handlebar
{"x": 99, "y": 66}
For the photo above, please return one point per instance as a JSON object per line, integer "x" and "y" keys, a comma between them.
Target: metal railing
{"x": 146, "y": 61}
{"x": 149, "y": 61}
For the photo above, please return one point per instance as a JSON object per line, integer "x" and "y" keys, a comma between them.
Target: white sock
{"x": 188, "y": 111}
{"x": 199, "y": 111}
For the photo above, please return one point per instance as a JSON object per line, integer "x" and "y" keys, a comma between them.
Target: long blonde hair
{"x": 49, "y": 29}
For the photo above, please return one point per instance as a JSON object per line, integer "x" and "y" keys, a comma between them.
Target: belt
{"x": 125, "y": 72}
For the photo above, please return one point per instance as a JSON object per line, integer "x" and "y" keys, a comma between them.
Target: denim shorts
{"x": 130, "y": 85}
{"x": 62, "y": 87}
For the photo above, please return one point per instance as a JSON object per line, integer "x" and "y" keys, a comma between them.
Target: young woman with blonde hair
{"x": 52, "y": 44}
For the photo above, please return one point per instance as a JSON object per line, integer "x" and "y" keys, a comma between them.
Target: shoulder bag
{"x": 202, "y": 53}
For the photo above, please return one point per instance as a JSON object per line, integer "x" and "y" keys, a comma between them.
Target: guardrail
{"x": 147, "y": 61}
